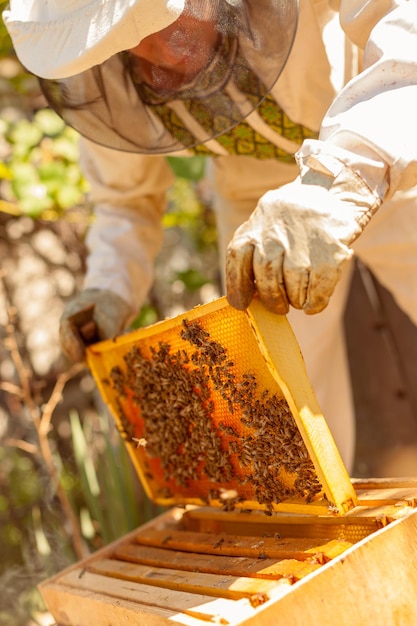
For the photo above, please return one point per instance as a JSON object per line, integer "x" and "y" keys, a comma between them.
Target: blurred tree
{"x": 68, "y": 470}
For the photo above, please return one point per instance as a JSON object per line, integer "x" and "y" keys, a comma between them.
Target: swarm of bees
{"x": 247, "y": 454}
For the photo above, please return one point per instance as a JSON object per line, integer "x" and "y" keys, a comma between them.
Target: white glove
{"x": 291, "y": 249}
{"x": 93, "y": 315}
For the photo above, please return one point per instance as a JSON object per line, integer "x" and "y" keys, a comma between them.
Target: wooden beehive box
{"x": 200, "y": 566}
{"x": 286, "y": 538}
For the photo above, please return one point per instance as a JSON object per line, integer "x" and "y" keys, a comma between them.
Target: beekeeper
{"x": 307, "y": 171}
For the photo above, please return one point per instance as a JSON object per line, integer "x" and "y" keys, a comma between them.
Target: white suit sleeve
{"x": 371, "y": 124}
{"x": 128, "y": 192}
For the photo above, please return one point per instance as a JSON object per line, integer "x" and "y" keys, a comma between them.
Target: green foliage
{"x": 42, "y": 166}
{"x": 187, "y": 211}
{"x": 5, "y": 42}
{"x": 111, "y": 501}
{"x": 33, "y": 544}
{"x": 106, "y": 497}
{"x": 190, "y": 168}
{"x": 193, "y": 279}
{"x": 148, "y": 315}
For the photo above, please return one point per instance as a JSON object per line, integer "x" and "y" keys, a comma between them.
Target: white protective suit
{"x": 373, "y": 117}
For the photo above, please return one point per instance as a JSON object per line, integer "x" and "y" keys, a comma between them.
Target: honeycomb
{"x": 202, "y": 414}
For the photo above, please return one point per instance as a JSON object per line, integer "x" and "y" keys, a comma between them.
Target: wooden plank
{"x": 329, "y": 550}
{"x": 351, "y": 527}
{"x": 292, "y": 505}
{"x": 396, "y": 482}
{"x": 71, "y": 606}
{"x": 375, "y": 582}
{"x": 168, "y": 519}
{"x": 274, "y": 547}
{"x": 230, "y": 565}
{"x": 223, "y": 586}
{"x": 381, "y": 514}
{"x": 389, "y": 496}
{"x": 115, "y": 578}
{"x": 209, "y": 564}
{"x": 162, "y": 601}
{"x": 219, "y": 564}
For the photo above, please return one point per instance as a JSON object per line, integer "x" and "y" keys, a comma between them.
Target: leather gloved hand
{"x": 93, "y": 315}
{"x": 291, "y": 248}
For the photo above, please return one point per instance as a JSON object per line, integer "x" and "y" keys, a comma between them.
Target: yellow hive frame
{"x": 271, "y": 342}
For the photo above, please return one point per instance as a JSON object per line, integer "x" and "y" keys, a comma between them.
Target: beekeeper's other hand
{"x": 291, "y": 249}
{"x": 93, "y": 315}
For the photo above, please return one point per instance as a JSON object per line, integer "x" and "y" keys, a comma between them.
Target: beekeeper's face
{"x": 182, "y": 49}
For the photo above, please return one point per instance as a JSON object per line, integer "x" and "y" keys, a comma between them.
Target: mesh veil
{"x": 111, "y": 104}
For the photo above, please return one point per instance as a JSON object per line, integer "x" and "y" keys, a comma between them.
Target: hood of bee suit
{"x": 81, "y": 51}
{"x": 61, "y": 38}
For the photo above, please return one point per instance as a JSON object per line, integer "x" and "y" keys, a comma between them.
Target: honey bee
{"x": 228, "y": 494}
{"x": 141, "y": 442}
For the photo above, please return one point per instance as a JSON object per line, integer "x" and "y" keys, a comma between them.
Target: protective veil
{"x": 116, "y": 105}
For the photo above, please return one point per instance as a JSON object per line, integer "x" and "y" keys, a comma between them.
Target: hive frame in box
{"x": 273, "y": 349}
{"x": 250, "y": 570}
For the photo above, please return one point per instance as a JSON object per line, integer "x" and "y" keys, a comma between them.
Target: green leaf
{"x": 34, "y": 207}
{"x": 192, "y": 279}
{"x": 52, "y": 171}
{"x": 147, "y": 315}
{"x": 191, "y": 168}
{"x": 73, "y": 175}
{"x": 68, "y": 196}
{"x": 82, "y": 454}
{"x": 25, "y": 134}
{"x": 87, "y": 473}
{"x": 26, "y": 485}
{"x": 48, "y": 122}
{"x": 66, "y": 148}
{"x": 86, "y": 523}
{"x": 24, "y": 173}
